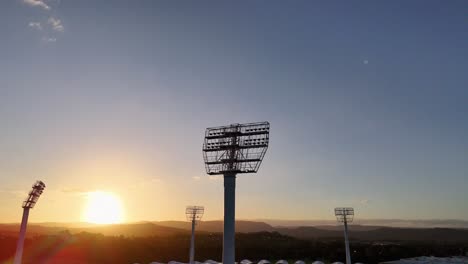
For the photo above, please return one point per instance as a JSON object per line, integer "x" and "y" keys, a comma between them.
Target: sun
{"x": 103, "y": 208}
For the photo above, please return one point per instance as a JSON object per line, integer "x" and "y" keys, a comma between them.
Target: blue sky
{"x": 367, "y": 102}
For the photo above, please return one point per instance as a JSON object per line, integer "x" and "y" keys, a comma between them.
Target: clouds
{"x": 37, "y": 3}
{"x": 364, "y": 202}
{"x": 210, "y": 177}
{"x": 56, "y": 24}
{"x": 215, "y": 177}
{"x": 35, "y": 25}
{"x": 46, "y": 39}
{"x": 49, "y": 25}
{"x": 74, "y": 191}
{"x": 15, "y": 193}
{"x": 53, "y": 24}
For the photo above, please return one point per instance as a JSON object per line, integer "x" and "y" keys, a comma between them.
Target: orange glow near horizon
{"x": 103, "y": 208}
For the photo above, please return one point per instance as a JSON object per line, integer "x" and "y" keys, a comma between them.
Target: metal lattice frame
{"x": 194, "y": 213}
{"x": 237, "y": 148}
{"x": 34, "y": 194}
{"x": 344, "y": 214}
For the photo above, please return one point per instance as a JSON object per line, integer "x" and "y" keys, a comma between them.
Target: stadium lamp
{"x": 229, "y": 150}
{"x": 345, "y": 215}
{"x": 29, "y": 203}
{"x": 194, "y": 214}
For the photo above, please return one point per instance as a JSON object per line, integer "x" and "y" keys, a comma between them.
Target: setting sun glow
{"x": 103, "y": 208}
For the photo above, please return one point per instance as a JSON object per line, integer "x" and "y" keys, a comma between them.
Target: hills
{"x": 131, "y": 230}
{"x": 217, "y": 226}
{"x": 174, "y": 228}
{"x": 381, "y": 234}
{"x": 357, "y": 232}
{"x": 405, "y": 223}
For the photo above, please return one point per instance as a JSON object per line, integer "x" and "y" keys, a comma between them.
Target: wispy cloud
{"x": 35, "y": 25}
{"x": 196, "y": 178}
{"x": 37, "y": 3}
{"x": 49, "y": 40}
{"x": 74, "y": 191}
{"x": 144, "y": 182}
{"x": 56, "y": 24}
{"x": 155, "y": 180}
{"x": 16, "y": 193}
{"x": 365, "y": 202}
{"x": 50, "y": 25}
{"x": 215, "y": 177}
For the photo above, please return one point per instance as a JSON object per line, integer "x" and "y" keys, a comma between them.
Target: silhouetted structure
{"x": 345, "y": 215}
{"x": 194, "y": 214}
{"x": 29, "y": 203}
{"x": 229, "y": 150}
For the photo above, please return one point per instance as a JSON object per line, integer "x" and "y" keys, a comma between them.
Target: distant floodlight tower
{"x": 29, "y": 203}
{"x": 229, "y": 150}
{"x": 194, "y": 214}
{"x": 345, "y": 215}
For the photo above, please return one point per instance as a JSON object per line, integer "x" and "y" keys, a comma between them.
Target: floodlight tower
{"x": 345, "y": 215}
{"x": 229, "y": 150}
{"x": 29, "y": 203}
{"x": 194, "y": 214}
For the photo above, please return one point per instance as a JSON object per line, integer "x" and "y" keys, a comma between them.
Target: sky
{"x": 367, "y": 101}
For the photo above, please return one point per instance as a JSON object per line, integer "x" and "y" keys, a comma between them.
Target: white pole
{"x": 229, "y": 218}
{"x": 22, "y": 234}
{"x": 348, "y": 255}
{"x": 192, "y": 242}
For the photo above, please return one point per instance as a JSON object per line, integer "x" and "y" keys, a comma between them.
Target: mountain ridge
{"x": 173, "y": 228}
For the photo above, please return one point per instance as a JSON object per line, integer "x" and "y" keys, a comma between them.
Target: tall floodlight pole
{"x": 29, "y": 203}
{"x": 229, "y": 150}
{"x": 345, "y": 215}
{"x": 194, "y": 214}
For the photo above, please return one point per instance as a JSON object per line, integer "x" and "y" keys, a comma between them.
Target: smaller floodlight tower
{"x": 194, "y": 214}
{"x": 345, "y": 215}
{"x": 29, "y": 203}
{"x": 229, "y": 150}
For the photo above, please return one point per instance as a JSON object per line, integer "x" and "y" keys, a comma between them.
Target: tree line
{"x": 96, "y": 248}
